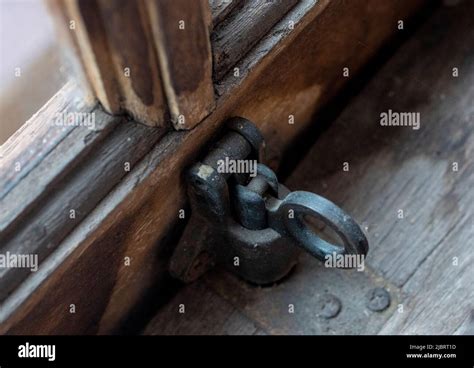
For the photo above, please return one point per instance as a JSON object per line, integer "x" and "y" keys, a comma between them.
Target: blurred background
{"x": 30, "y": 66}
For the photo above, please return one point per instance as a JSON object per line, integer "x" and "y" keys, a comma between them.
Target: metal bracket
{"x": 248, "y": 221}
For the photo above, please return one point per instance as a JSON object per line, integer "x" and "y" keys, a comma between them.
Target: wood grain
{"x": 46, "y": 169}
{"x": 297, "y": 305}
{"x": 220, "y": 9}
{"x": 439, "y": 297}
{"x": 393, "y": 168}
{"x": 242, "y": 29}
{"x": 198, "y": 310}
{"x": 37, "y": 207}
{"x": 136, "y": 215}
{"x": 114, "y": 43}
{"x": 39, "y": 136}
{"x": 47, "y": 219}
{"x": 181, "y": 37}
{"x": 414, "y": 167}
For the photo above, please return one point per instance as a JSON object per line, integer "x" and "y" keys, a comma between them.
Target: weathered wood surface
{"x": 181, "y": 31}
{"x": 33, "y": 181}
{"x": 39, "y": 136}
{"x": 299, "y": 304}
{"x": 220, "y": 9}
{"x": 467, "y": 327}
{"x": 242, "y": 29}
{"x": 296, "y": 73}
{"x": 76, "y": 144}
{"x": 48, "y": 218}
{"x": 115, "y": 46}
{"x": 400, "y": 168}
{"x": 198, "y": 310}
{"x": 425, "y": 258}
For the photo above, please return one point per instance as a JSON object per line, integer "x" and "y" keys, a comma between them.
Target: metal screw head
{"x": 329, "y": 307}
{"x": 378, "y": 299}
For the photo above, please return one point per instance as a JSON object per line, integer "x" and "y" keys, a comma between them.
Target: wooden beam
{"x": 181, "y": 36}
{"x": 115, "y": 46}
{"x": 290, "y": 72}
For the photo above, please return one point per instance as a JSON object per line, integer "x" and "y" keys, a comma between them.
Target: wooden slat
{"x": 242, "y": 29}
{"x": 114, "y": 43}
{"x": 181, "y": 35}
{"x": 297, "y": 74}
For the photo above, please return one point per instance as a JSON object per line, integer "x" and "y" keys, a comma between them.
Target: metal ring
{"x": 306, "y": 203}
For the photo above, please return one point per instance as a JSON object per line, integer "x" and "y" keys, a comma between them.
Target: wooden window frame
{"x": 288, "y": 71}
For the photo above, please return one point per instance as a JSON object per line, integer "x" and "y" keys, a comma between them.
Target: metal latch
{"x": 244, "y": 219}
